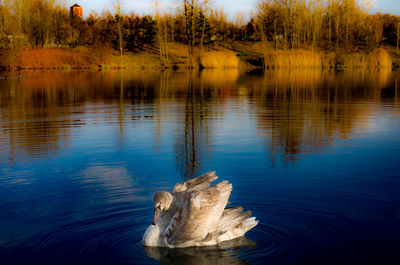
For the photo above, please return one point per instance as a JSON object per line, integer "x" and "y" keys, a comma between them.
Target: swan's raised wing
{"x": 198, "y": 183}
{"x": 199, "y": 215}
{"x": 182, "y": 191}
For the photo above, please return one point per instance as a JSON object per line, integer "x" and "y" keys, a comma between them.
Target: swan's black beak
{"x": 157, "y": 212}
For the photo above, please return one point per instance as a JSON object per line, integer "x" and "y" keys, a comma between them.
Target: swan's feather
{"x": 228, "y": 215}
{"x": 198, "y": 183}
{"x": 200, "y": 214}
{"x": 233, "y": 222}
{"x": 239, "y": 230}
{"x": 182, "y": 191}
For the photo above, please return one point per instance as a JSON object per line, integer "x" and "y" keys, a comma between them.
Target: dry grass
{"x": 378, "y": 58}
{"x": 296, "y": 59}
{"x": 218, "y": 59}
{"x": 58, "y": 58}
{"x": 299, "y": 59}
{"x": 224, "y": 58}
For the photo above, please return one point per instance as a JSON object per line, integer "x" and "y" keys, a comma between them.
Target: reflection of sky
{"x": 21, "y": 177}
{"x": 116, "y": 179}
{"x": 229, "y": 6}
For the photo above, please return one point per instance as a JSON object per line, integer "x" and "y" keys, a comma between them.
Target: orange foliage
{"x": 56, "y": 58}
{"x": 82, "y": 58}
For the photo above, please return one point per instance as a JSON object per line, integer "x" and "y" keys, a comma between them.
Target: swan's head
{"x": 162, "y": 202}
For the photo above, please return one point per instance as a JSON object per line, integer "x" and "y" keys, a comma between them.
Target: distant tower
{"x": 76, "y": 11}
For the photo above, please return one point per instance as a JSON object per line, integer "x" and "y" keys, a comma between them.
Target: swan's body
{"x": 194, "y": 214}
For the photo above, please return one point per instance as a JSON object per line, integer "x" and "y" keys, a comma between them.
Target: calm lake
{"x": 315, "y": 155}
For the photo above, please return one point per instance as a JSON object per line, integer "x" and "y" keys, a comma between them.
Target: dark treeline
{"x": 328, "y": 25}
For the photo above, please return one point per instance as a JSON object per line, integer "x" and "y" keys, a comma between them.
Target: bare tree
{"x": 118, "y": 17}
{"x": 161, "y": 36}
{"x": 398, "y": 33}
{"x": 204, "y": 23}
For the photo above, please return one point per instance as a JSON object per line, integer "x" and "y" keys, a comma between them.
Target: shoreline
{"x": 245, "y": 56}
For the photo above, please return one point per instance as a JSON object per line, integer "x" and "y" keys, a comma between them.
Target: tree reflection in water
{"x": 295, "y": 111}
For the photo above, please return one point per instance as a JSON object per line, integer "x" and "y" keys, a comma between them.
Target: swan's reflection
{"x": 226, "y": 253}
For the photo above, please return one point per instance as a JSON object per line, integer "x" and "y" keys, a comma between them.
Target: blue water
{"x": 315, "y": 156}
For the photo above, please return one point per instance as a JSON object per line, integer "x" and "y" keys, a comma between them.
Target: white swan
{"x": 194, "y": 214}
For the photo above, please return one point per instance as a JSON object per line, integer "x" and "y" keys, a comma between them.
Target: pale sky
{"x": 231, "y": 7}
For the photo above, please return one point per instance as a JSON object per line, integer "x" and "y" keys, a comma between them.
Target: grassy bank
{"x": 292, "y": 59}
{"x": 218, "y": 59}
{"x": 301, "y": 59}
{"x": 378, "y": 58}
{"x": 83, "y": 58}
{"x": 106, "y": 59}
{"x": 263, "y": 54}
{"x": 223, "y": 56}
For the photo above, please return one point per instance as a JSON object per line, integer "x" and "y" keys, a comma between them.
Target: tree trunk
{"x": 160, "y": 36}
{"x": 192, "y": 25}
{"x": 188, "y": 27}
{"x": 330, "y": 31}
{"x": 204, "y": 25}
{"x": 398, "y": 34}
{"x": 275, "y": 31}
{"x": 120, "y": 33}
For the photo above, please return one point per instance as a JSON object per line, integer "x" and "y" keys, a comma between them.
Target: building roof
{"x": 76, "y": 5}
